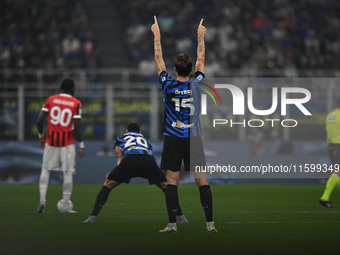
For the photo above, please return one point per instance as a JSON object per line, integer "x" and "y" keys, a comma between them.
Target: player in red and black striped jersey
{"x": 64, "y": 114}
{"x": 62, "y": 109}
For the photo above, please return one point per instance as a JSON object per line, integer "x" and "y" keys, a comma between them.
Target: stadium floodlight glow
{"x": 238, "y": 100}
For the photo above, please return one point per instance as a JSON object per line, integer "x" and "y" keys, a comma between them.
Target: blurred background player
{"x": 64, "y": 114}
{"x": 178, "y": 132}
{"x": 333, "y": 139}
{"x": 135, "y": 159}
{"x": 255, "y": 141}
{"x": 104, "y": 152}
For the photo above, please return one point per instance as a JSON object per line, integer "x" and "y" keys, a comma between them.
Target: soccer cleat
{"x": 169, "y": 229}
{"x": 41, "y": 207}
{"x": 181, "y": 219}
{"x": 325, "y": 203}
{"x": 91, "y": 220}
{"x": 68, "y": 211}
{"x": 211, "y": 229}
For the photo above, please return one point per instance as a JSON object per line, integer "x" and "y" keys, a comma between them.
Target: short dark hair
{"x": 133, "y": 127}
{"x": 183, "y": 64}
{"x": 337, "y": 102}
{"x": 67, "y": 85}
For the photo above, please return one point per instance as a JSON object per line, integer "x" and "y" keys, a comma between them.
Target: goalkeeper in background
{"x": 333, "y": 139}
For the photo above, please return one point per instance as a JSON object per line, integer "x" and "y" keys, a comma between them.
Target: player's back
{"x": 62, "y": 109}
{"x": 133, "y": 143}
{"x": 182, "y": 107}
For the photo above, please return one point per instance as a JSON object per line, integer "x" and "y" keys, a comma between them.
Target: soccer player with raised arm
{"x": 179, "y": 130}
{"x": 64, "y": 114}
{"x": 135, "y": 159}
{"x": 333, "y": 139}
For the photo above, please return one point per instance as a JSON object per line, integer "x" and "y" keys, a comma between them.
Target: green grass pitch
{"x": 250, "y": 219}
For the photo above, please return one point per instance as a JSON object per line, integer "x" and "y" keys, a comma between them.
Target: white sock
{"x": 210, "y": 223}
{"x": 43, "y": 184}
{"x": 67, "y": 186}
{"x": 172, "y": 224}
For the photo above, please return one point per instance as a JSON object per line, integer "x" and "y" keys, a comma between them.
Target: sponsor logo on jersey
{"x": 183, "y": 92}
{"x": 179, "y": 124}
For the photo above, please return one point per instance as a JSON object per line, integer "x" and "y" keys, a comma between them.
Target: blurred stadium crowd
{"x": 44, "y": 34}
{"x": 241, "y": 34}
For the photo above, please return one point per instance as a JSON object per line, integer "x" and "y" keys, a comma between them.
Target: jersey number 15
{"x": 184, "y": 102}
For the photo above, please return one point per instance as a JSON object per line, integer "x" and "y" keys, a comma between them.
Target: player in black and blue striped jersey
{"x": 181, "y": 100}
{"x": 135, "y": 159}
{"x": 133, "y": 143}
{"x": 181, "y": 126}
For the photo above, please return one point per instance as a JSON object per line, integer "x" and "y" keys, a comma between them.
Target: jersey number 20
{"x": 131, "y": 140}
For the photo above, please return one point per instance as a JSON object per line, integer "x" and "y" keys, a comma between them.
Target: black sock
{"x": 171, "y": 198}
{"x": 100, "y": 200}
{"x": 179, "y": 209}
{"x": 206, "y": 202}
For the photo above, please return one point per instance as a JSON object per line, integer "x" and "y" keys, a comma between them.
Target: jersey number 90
{"x": 60, "y": 117}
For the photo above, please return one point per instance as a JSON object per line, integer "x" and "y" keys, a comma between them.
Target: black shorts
{"x": 176, "y": 150}
{"x": 133, "y": 165}
{"x": 334, "y": 153}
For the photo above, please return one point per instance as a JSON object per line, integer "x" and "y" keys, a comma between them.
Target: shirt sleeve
{"x": 149, "y": 146}
{"x": 77, "y": 111}
{"x": 116, "y": 143}
{"x": 199, "y": 76}
{"x": 46, "y": 105}
{"x": 165, "y": 79}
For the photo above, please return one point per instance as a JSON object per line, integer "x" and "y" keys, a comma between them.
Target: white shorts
{"x": 54, "y": 157}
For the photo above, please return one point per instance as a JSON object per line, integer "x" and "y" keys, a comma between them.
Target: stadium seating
{"x": 250, "y": 35}
{"x": 44, "y": 34}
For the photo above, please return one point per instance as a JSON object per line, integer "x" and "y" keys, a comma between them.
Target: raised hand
{"x": 155, "y": 28}
{"x": 201, "y": 29}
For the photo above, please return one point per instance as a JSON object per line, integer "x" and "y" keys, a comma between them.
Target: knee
{"x": 172, "y": 178}
{"x": 201, "y": 181}
{"x": 110, "y": 183}
{"x": 68, "y": 176}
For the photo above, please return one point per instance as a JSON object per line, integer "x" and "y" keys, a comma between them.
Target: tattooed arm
{"x": 158, "y": 47}
{"x": 200, "y": 48}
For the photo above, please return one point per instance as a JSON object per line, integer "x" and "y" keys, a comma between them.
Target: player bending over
{"x": 64, "y": 114}
{"x": 134, "y": 160}
{"x": 181, "y": 126}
